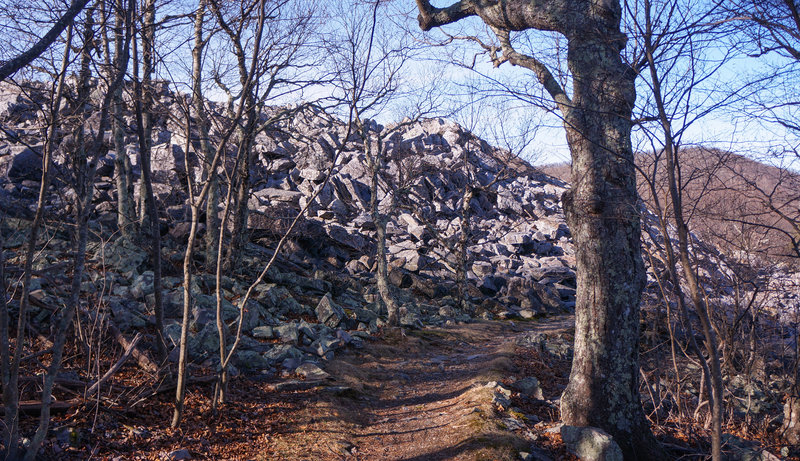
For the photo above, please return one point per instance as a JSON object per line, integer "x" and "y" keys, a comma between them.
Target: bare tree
{"x": 196, "y": 201}
{"x": 85, "y": 166}
{"x": 11, "y": 66}
{"x": 368, "y": 66}
{"x": 663, "y": 43}
{"x": 10, "y": 365}
{"x": 601, "y": 211}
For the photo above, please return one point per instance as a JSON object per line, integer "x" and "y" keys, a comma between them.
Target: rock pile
{"x": 320, "y": 297}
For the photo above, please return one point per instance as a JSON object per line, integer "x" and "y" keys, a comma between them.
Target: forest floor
{"x": 444, "y": 393}
{"x": 413, "y": 395}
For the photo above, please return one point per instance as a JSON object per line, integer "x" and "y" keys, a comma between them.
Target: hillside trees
{"x": 771, "y": 32}
{"x": 600, "y": 208}
{"x": 11, "y": 362}
{"x": 665, "y": 44}
{"x": 368, "y": 65}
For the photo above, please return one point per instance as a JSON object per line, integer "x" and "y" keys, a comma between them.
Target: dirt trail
{"x": 417, "y": 397}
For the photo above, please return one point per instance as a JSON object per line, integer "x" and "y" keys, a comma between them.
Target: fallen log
{"x": 114, "y": 368}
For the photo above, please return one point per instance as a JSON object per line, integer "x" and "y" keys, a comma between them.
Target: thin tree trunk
{"x": 196, "y": 202}
{"x": 463, "y": 245}
{"x": 375, "y": 159}
{"x": 84, "y": 195}
{"x": 145, "y": 136}
{"x": 701, "y": 307}
{"x": 126, "y": 212}
{"x": 152, "y": 221}
{"x": 11, "y": 368}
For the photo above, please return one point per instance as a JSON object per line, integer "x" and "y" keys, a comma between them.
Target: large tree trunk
{"x": 601, "y": 208}
{"x": 602, "y": 213}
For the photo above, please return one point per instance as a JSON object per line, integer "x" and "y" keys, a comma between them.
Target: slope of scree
{"x": 319, "y": 301}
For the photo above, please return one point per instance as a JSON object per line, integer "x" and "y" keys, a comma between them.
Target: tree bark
{"x": 601, "y": 208}
{"x": 149, "y": 210}
{"x": 10, "y": 67}
{"x": 126, "y": 210}
{"x": 602, "y": 214}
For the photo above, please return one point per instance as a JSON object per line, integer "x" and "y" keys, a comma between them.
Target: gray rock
{"x": 737, "y": 449}
{"x": 549, "y": 297}
{"x": 344, "y": 237}
{"x": 530, "y": 387}
{"x": 281, "y": 352}
{"x": 312, "y": 174}
{"x": 263, "y": 332}
{"x": 328, "y": 312}
{"x": 288, "y": 333}
{"x": 278, "y": 195}
{"x": 311, "y": 371}
{"x": 590, "y": 444}
{"x": 120, "y": 255}
{"x": 410, "y": 320}
{"x": 252, "y": 360}
{"x": 26, "y": 164}
{"x": 482, "y": 268}
{"x": 179, "y": 455}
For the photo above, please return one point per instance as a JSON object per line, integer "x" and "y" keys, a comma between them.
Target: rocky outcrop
{"x": 320, "y": 297}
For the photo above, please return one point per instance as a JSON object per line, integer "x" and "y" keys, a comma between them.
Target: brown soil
{"x": 418, "y": 395}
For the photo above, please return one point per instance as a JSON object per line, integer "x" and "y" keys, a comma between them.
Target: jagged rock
{"x": 263, "y": 332}
{"x": 178, "y": 455}
{"x": 342, "y": 236}
{"x": 554, "y": 345}
{"x": 590, "y": 444}
{"x": 26, "y": 164}
{"x": 312, "y": 174}
{"x": 530, "y": 387}
{"x": 328, "y": 312}
{"x": 281, "y": 352}
{"x": 269, "y": 195}
{"x": 482, "y": 268}
{"x": 311, "y": 371}
{"x": 549, "y": 297}
{"x": 410, "y": 320}
{"x": 737, "y": 449}
{"x": 120, "y": 255}
{"x": 287, "y": 333}
{"x": 252, "y": 360}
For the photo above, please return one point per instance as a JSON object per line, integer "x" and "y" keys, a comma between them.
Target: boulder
{"x": 328, "y": 312}
{"x": 311, "y": 371}
{"x": 737, "y": 449}
{"x": 271, "y": 195}
{"x": 529, "y": 387}
{"x": 590, "y": 444}
{"x": 26, "y": 164}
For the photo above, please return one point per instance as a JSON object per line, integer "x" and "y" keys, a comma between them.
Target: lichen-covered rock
{"x": 529, "y": 387}
{"x": 590, "y": 444}
{"x": 328, "y": 312}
